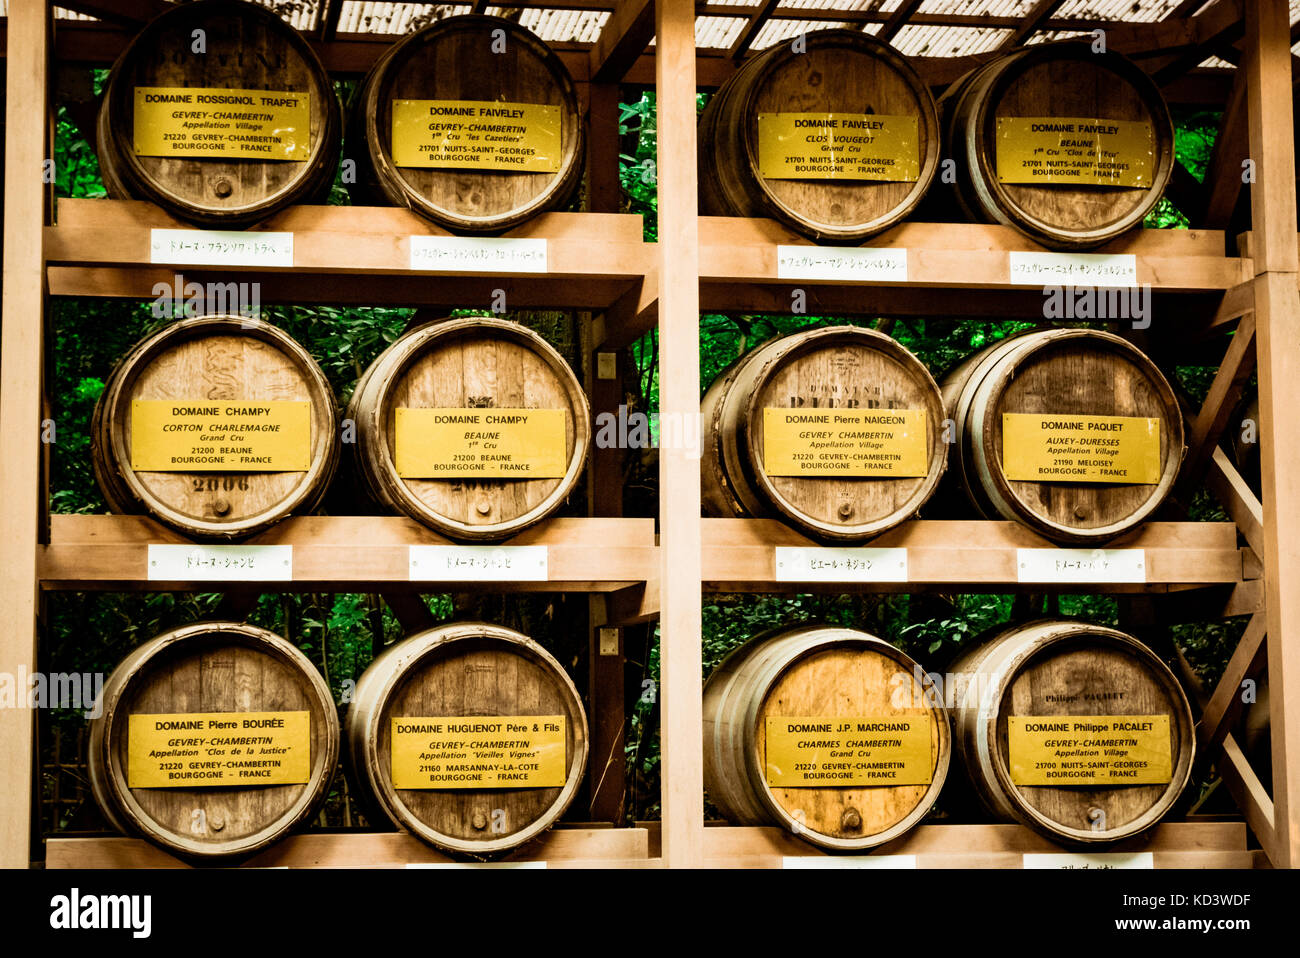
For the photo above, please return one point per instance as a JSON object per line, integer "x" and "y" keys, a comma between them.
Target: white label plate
{"x": 478, "y": 564}
{"x": 841, "y": 263}
{"x": 198, "y": 563}
{"x": 220, "y": 248}
{"x": 1093, "y": 860}
{"x": 1072, "y": 269}
{"x": 478, "y": 254}
{"x": 1081, "y": 565}
{"x": 815, "y": 564}
{"x": 490, "y": 865}
{"x": 848, "y": 861}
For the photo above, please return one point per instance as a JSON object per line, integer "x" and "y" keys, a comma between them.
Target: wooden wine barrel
{"x": 756, "y": 159}
{"x": 273, "y": 111}
{"x": 269, "y": 734}
{"x": 478, "y": 64}
{"x": 238, "y": 369}
{"x": 1059, "y": 385}
{"x": 469, "y": 736}
{"x": 854, "y": 703}
{"x": 844, "y": 381}
{"x": 1034, "y": 686}
{"x": 475, "y": 367}
{"x": 989, "y": 118}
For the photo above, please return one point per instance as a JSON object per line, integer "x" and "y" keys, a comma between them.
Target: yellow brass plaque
{"x": 475, "y": 751}
{"x": 480, "y": 443}
{"x": 809, "y": 752}
{"x": 220, "y": 435}
{"x": 206, "y": 122}
{"x": 477, "y": 135}
{"x": 845, "y": 442}
{"x": 1089, "y": 749}
{"x": 198, "y": 749}
{"x": 838, "y": 146}
{"x": 1064, "y": 150}
{"x": 1037, "y": 448}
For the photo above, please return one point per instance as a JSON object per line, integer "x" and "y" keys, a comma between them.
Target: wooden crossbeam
{"x": 1185, "y": 192}
{"x": 625, "y": 37}
{"x": 1248, "y": 792}
{"x": 1223, "y": 175}
{"x": 1225, "y": 704}
{"x": 410, "y": 611}
{"x": 898, "y": 19}
{"x": 1237, "y": 498}
{"x": 630, "y": 317}
{"x": 1221, "y": 23}
{"x": 1235, "y": 303}
{"x": 1031, "y": 23}
{"x": 752, "y": 29}
{"x": 1220, "y": 402}
{"x": 330, "y": 12}
{"x": 129, "y": 12}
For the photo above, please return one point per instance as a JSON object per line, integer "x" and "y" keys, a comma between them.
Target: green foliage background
{"x": 342, "y": 632}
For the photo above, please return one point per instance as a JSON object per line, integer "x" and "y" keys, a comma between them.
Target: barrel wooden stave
{"x": 836, "y": 366}
{"x": 1059, "y": 371}
{"x": 461, "y": 363}
{"x": 213, "y": 358}
{"x": 814, "y": 671}
{"x": 1065, "y": 79}
{"x": 465, "y": 669}
{"x": 216, "y": 666}
{"x": 453, "y": 59}
{"x": 1014, "y": 672}
{"x": 247, "y": 47}
{"x": 869, "y": 76}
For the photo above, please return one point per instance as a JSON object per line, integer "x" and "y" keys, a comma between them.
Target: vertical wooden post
{"x": 680, "y": 686}
{"x": 607, "y": 764}
{"x": 604, "y": 194}
{"x": 1277, "y": 312}
{"x": 21, "y": 362}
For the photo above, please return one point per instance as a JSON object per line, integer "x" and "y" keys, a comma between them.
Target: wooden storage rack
{"x": 599, "y": 264}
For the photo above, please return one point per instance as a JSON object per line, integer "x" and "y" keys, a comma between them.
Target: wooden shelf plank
{"x": 357, "y": 553}
{"x": 350, "y": 254}
{"x": 605, "y": 846}
{"x": 1173, "y": 845}
{"x": 969, "y": 256}
{"x": 739, "y": 557}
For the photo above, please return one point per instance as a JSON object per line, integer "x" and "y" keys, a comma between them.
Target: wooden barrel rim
{"x": 117, "y": 106}
{"x": 389, "y": 174}
{"x": 423, "y": 646}
{"x": 832, "y": 637}
{"x": 751, "y": 414}
{"x": 103, "y": 735}
{"x": 370, "y": 405}
{"x": 723, "y": 444}
{"x": 988, "y": 85}
{"x": 986, "y": 452}
{"x": 1052, "y": 634}
{"x": 961, "y": 414}
{"x": 865, "y": 43}
{"x": 110, "y": 410}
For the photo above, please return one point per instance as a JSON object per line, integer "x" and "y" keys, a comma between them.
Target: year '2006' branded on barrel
{"x": 217, "y": 426}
